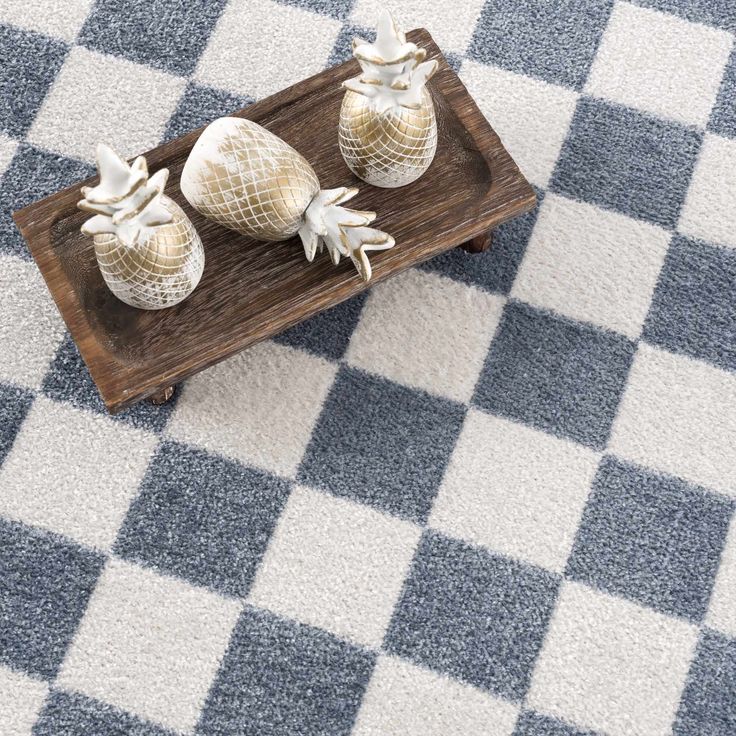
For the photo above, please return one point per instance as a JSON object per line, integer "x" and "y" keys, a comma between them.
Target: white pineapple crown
{"x": 343, "y": 231}
{"x": 393, "y": 70}
{"x": 126, "y": 202}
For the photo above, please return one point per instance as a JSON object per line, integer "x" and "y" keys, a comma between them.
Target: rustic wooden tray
{"x": 252, "y": 290}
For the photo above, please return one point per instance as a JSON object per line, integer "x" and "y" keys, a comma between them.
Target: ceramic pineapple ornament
{"x": 146, "y": 247}
{"x": 388, "y": 128}
{"x": 244, "y": 177}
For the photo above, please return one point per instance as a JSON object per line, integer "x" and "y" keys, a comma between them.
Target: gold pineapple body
{"x": 388, "y": 128}
{"x": 244, "y": 177}
{"x": 387, "y": 149}
{"x": 148, "y": 251}
{"x": 249, "y": 180}
{"x": 161, "y": 270}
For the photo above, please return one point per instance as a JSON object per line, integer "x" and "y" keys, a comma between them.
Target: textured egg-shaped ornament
{"x": 388, "y": 149}
{"x": 160, "y": 270}
{"x": 244, "y": 177}
{"x": 148, "y": 250}
{"x": 388, "y": 128}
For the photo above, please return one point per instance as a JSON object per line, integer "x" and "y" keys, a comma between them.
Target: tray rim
{"x": 35, "y": 222}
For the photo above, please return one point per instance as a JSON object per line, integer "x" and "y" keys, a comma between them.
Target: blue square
{"x": 627, "y": 161}
{"x": 711, "y": 12}
{"x": 14, "y": 405}
{"x": 29, "y": 63}
{"x": 281, "y": 678}
{"x": 69, "y": 380}
{"x": 339, "y": 9}
{"x": 328, "y": 333}
{"x": 203, "y": 518}
{"x": 473, "y": 615}
{"x": 555, "y": 374}
{"x": 653, "y": 539}
{"x": 382, "y": 444}
{"x": 694, "y": 310}
{"x": 32, "y": 175}
{"x": 200, "y": 105}
{"x": 73, "y": 714}
{"x": 494, "y": 270}
{"x": 534, "y": 724}
{"x": 167, "y": 34}
{"x": 708, "y": 704}
{"x": 45, "y": 583}
{"x": 553, "y": 41}
{"x": 343, "y": 48}
{"x": 723, "y": 115}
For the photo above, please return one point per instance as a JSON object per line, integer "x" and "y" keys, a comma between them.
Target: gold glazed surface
{"x": 256, "y": 184}
{"x": 389, "y": 149}
{"x": 160, "y": 270}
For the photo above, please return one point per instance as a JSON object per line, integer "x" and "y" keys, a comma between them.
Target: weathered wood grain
{"x": 252, "y": 290}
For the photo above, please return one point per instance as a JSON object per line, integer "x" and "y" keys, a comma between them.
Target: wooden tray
{"x": 252, "y": 290}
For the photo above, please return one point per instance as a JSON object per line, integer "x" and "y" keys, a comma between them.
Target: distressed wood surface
{"x": 252, "y": 290}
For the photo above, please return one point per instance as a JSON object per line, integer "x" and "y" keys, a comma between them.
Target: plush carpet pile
{"x": 494, "y": 496}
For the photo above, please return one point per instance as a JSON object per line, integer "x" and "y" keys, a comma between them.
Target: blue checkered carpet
{"x": 493, "y": 496}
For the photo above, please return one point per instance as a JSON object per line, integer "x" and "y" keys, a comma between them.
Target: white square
{"x": 21, "y": 699}
{"x": 530, "y": 116}
{"x": 30, "y": 328}
{"x": 428, "y": 332}
{"x": 514, "y": 489}
{"x": 57, "y": 18}
{"x": 678, "y": 416}
{"x": 8, "y": 147}
{"x": 260, "y": 46}
{"x": 73, "y": 472}
{"x": 451, "y": 24}
{"x": 258, "y": 407}
{"x": 611, "y": 665}
{"x": 709, "y": 211}
{"x": 591, "y": 264}
{"x": 99, "y": 98}
{"x": 404, "y": 700}
{"x": 335, "y": 564}
{"x": 722, "y": 608}
{"x": 149, "y": 644}
{"x": 660, "y": 63}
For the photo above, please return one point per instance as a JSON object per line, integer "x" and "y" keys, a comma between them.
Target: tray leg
{"x": 479, "y": 243}
{"x": 162, "y": 396}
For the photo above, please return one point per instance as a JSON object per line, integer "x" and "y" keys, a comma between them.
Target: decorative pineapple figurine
{"x": 244, "y": 177}
{"x": 147, "y": 249}
{"x": 388, "y": 129}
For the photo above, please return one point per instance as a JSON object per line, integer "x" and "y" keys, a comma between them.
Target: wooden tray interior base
{"x": 251, "y": 290}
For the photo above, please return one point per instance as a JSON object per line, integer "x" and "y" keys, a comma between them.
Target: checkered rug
{"x": 491, "y": 497}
